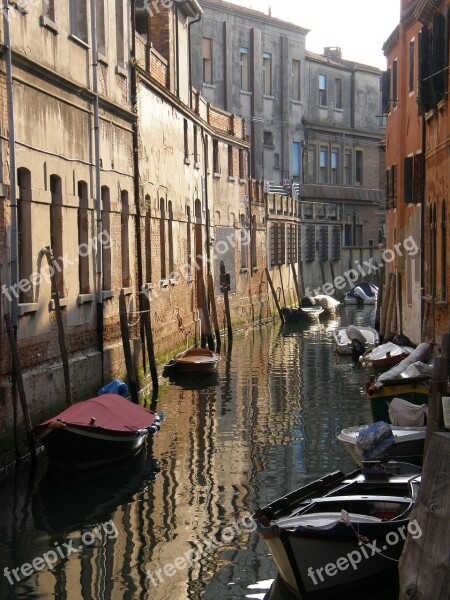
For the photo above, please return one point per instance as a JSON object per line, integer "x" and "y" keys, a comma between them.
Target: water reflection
{"x": 266, "y": 424}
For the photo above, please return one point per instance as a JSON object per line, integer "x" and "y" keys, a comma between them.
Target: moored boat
{"x": 328, "y": 303}
{"x": 384, "y": 357}
{"x": 345, "y": 338}
{"x": 363, "y": 293}
{"x": 409, "y": 380}
{"x": 96, "y": 432}
{"x": 408, "y": 446}
{"x": 301, "y": 313}
{"x": 325, "y": 523}
{"x": 195, "y": 360}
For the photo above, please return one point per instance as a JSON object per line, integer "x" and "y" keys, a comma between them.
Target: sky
{"x": 359, "y": 27}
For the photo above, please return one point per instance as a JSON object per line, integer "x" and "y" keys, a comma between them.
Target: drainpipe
{"x": 196, "y": 20}
{"x": 422, "y": 226}
{"x": 134, "y": 102}
{"x": 205, "y": 160}
{"x": 98, "y": 191}
{"x": 250, "y": 209}
{"x": 13, "y": 171}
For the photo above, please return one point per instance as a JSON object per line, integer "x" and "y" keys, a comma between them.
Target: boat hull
{"x": 72, "y": 450}
{"x": 416, "y": 393}
{"x": 196, "y": 360}
{"x": 322, "y": 554}
{"x": 407, "y": 450}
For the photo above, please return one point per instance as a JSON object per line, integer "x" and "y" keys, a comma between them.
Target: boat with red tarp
{"x": 96, "y": 432}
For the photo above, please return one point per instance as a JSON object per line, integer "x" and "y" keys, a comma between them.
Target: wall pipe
{"x": 98, "y": 191}
{"x": 205, "y": 160}
{"x": 196, "y": 20}
{"x": 13, "y": 171}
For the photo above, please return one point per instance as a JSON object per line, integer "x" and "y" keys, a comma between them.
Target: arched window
{"x": 107, "y": 243}
{"x": 170, "y": 240}
{"x": 162, "y": 237}
{"x": 83, "y": 238}
{"x": 148, "y": 241}
{"x": 25, "y": 257}
{"x": 56, "y": 230}
{"x": 125, "y": 239}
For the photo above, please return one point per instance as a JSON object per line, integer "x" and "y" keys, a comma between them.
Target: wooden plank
{"x": 224, "y": 287}
{"x": 207, "y": 337}
{"x": 297, "y": 289}
{"x": 277, "y": 304}
{"x": 59, "y": 322}
{"x": 17, "y": 372}
{"x": 147, "y": 320}
{"x": 127, "y": 348}
{"x": 424, "y": 568}
{"x": 282, "y": 286}
{"x": 212, "y": 302}
{"x": 390, "y": 309}
{"x": 302, "y": 279}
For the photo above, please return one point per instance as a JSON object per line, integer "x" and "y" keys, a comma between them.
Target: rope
{"x": 363, "y": 540}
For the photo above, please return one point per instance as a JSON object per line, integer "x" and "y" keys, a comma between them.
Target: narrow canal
{"x": 173, "y": 523}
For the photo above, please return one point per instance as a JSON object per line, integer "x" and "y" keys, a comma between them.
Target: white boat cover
{"x": 382, "y": 351}
{"x": 325, "y": 520}
{"x": 325, "y": 301}
{"x": 405, "y": 414}
{"x": 416, "y": 369}
{"x": 421, "y": 353}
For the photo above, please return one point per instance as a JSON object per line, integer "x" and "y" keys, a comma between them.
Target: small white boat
{"x": 385, "y": 356}
{"x": 364, "y": 293}
{"x": 346, "y": 337}
{"x": 408, "y": 446}
{"x": 328, "y": 303}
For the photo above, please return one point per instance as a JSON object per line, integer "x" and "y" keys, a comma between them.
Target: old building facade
{"x": 417, "y": 137}
{"x": 134, "y": 181}
{"x": 316, "y": 131}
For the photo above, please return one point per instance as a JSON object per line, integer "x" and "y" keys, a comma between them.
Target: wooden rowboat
{"x": 195, "y": 360}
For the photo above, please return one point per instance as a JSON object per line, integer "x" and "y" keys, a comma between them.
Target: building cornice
{"x": 60, "y": 82}
{"x": 235, "y": 9}
{"x": 391, "y": 42}
{"x": 341, "y": 63}
{"x": 425, "y": 9}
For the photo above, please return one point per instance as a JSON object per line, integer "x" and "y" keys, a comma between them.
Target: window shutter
{"x": 424, "y": 71}
{"x": 417, "y": 185}
{"x": 386, "y": 92}
{"x": 438, "y": 57}
{"x": 408, "y": 179}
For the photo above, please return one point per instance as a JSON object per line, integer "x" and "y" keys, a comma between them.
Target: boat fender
{"x": 153, "y": 428}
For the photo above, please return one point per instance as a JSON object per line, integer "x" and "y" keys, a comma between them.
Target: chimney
{"x": 332, "y": 52}
{"x": 270, "y": 11}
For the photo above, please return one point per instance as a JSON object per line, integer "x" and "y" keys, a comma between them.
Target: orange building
{"x": 417, "y": 159}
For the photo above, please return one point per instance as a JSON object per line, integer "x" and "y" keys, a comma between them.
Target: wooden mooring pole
{"x": 297, "y": 289}
{"x": 127, "y": 348}
{"x": 424, "y": 568}
{"x": 212, "y": 301}
{"x": 59, "y": 322}
{"x": 206, "y": 337}
{"x": 277, "y": 304}
{"x": 225, "y": 288}
{"x": 147, "y": 321}
{"x": 439, "y": 387}
{"x": 17, "y": 371}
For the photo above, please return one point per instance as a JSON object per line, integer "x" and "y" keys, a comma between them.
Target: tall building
{"x": 417, "y": 134}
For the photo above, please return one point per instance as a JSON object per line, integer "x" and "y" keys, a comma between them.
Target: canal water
{"x": 173, "y": 523}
